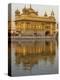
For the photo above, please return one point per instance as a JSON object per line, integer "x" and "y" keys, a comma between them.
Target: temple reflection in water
{"x": 32, "y": 53}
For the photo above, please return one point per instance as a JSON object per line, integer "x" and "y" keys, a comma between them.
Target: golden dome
{"x": 17, "y": 12}
{"x": 24, "y": 9}
{"x": 31, "y": 9}
{"x": 28, "y": 11}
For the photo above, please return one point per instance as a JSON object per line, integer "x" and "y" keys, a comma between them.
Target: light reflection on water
{"x": 34, "y": 57}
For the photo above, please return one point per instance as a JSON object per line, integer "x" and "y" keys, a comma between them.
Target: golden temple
{"x": 29, "y": 23}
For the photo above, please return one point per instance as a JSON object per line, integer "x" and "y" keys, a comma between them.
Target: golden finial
{"x": 52, "y": 13}
{"x": 25, "y": 6}
{"x": 30, "y": 5}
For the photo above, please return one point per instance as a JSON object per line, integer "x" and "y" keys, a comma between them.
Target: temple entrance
{"x": 35, "y": 34}
{"x": 47, "y": 33}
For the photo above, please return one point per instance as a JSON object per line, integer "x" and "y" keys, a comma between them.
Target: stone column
{"x": 24, "y": 25}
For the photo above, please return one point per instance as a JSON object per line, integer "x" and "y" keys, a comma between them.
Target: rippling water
{"x": 34, "y": 57}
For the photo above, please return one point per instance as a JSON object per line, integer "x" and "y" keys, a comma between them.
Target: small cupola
{"x": 17, "y": 12}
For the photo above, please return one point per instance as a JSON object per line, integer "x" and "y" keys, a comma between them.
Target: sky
{"x": 40, "y": 8}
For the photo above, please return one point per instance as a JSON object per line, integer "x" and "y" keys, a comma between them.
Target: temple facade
{"x": 29, "y": 23}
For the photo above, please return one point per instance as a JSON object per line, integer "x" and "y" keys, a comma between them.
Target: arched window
{"x": 47, "y": 33}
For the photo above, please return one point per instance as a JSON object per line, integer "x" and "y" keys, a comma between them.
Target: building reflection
{"x": 30, "y": 53}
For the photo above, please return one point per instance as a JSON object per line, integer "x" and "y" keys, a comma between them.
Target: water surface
{"x": 34, "y": 57}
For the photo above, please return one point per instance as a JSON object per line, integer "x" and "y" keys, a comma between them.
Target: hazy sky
{"x": 40, "y": 8}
